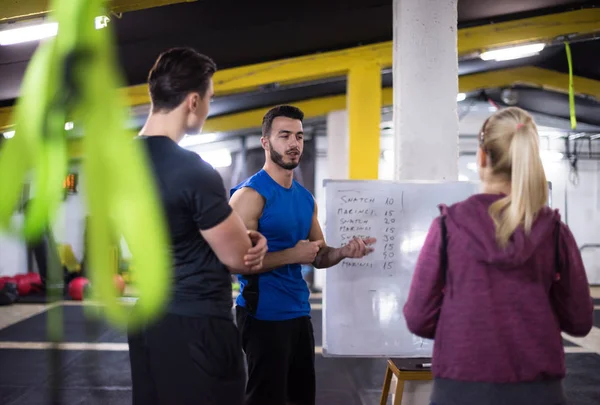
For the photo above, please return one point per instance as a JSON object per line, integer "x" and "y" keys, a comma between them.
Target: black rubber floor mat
{"x": 104, "y": 378}
{"x": 92, "y": 368}
{"x": 9, "y": 395}
{"x": 83, "y": 396}
{"x": 77, "y": 327}
{"x": 28, "y": 368}
{"x": 39, "y": 298}
{"x": 582, "y": 384}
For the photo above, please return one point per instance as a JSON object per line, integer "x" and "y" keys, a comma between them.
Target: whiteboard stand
{"x": 363, "y": 299}
{"x": 404, "y": 370}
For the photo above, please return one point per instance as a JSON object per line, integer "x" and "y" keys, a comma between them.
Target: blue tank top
{"x": 282, "y": 293}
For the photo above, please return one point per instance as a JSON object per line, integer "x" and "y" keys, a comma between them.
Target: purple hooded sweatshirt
{"x": 498, "y": 317}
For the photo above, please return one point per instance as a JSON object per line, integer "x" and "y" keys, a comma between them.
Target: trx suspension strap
{"x": 74, "y": 76}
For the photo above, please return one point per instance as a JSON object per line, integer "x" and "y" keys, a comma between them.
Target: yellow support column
{"x": 364, "y": 118}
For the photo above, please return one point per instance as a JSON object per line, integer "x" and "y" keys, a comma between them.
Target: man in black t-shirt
{"x": 192, "y": 355}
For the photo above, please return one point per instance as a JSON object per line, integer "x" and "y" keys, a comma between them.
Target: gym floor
{"x": 95, "y": 366}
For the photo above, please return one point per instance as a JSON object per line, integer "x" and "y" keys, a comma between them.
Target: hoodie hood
{"x": 472, "y": 225}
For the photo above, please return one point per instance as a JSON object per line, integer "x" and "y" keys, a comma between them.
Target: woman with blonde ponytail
{"x": 499, "y": 277}
{"x": 518, "y": 160}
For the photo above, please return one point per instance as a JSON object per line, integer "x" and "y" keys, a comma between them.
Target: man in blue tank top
{"x": 273, "y": 309}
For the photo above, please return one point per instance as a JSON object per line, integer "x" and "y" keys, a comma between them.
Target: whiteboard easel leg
{"x": 399, "y": 392}
{"x": 387, "y": 381}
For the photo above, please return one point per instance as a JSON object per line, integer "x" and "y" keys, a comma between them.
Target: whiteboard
{"x": 363, "y": 299}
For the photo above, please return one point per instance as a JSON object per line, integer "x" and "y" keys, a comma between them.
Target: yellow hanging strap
{"x": 571, "y": 88}
{"x": 75, "y": 75}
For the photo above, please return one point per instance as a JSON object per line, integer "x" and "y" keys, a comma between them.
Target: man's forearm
{"x": 328, "y": 257}
{"x": 274, "y": 260}
{"x": 271, "y": 261}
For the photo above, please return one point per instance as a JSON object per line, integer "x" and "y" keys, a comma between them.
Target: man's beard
{"x": 277, "y": 158}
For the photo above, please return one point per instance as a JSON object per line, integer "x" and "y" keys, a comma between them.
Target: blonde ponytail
{"x": 514, "y": 142}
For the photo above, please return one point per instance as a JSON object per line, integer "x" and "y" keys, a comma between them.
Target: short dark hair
{"x": 287, "y": 111}
{"x": 177, "y": 73}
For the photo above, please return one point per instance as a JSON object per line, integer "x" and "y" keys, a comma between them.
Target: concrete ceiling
{"x": 237, "y": 33}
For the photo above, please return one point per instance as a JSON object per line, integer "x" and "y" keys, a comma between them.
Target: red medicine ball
{"x": 76, "y": 288}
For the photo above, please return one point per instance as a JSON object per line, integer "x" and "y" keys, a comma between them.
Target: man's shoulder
{"x": 252, "y": 184}
{"x": 193, "y": 163}
{"x": 162, "y": 149}
{"x": 191, "y": 169}
{"x": 247, "y": 194}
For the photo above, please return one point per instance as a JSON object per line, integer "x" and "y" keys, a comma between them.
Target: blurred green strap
{"x": 75, "y": 75}
{"x": 571, "y": 88}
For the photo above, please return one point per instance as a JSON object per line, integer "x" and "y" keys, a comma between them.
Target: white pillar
{"x": 425, "y": 116}
{"x": 337, "y": 145}
{"x": 425, "y": 89}
{"x": 333, "y": 166}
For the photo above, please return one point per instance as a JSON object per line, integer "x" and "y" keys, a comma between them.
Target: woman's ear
{"x": 482, "y": 158}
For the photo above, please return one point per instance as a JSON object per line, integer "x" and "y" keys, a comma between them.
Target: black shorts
{"x": 281, "y": 360}
{"x": 187, "y": 361}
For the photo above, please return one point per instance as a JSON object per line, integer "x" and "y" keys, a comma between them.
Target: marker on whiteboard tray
{"x": 424, "y": 365}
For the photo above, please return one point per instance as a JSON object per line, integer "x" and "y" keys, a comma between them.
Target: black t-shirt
{"x": 194, "y": 198}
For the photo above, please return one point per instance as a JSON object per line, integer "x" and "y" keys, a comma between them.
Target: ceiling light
{"x": 9, "y": 134}
{"x": 101, "y": 22}
{"x": 461, "y": 97}
{"x": 27, "y": 34}
{"x": 217, "y": 158}
{"x": 514, "y": 52}
{"x": 38, "y": 32}
{"x": 510, "y": 97}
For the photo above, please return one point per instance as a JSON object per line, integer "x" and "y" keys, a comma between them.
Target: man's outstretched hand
{"x": 256, "y": 254}
{"x": 358, "y": 248}
{"x": 306, "y": 251}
